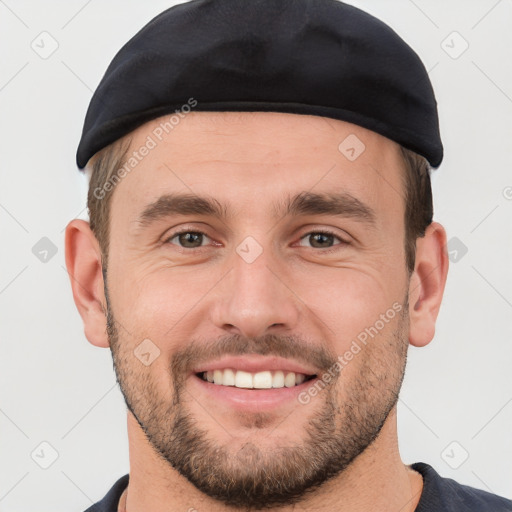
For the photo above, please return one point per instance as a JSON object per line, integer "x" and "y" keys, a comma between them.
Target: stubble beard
{"x": 252, "y": 478}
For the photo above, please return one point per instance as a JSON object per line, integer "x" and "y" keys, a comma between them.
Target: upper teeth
{"x": 260, "y": 380}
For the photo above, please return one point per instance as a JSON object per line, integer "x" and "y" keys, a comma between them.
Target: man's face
{"x": 262, "y": 292}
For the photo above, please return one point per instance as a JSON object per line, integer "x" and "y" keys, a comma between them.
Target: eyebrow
{"x": 304, "y": 203}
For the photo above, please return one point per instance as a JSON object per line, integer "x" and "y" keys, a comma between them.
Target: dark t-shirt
{"x": 439, "y": 495}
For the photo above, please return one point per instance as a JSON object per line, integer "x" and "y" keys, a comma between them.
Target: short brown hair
{"x": 419, "y": 209}
{"x": 104, "y": 164}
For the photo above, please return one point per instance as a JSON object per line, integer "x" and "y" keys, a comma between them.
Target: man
{"x": 260, "y": 253}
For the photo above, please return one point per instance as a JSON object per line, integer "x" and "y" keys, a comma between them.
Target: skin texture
{"x": 295, "y": 300}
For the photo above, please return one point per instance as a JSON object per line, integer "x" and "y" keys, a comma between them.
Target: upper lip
{"x": 255, "y": 364}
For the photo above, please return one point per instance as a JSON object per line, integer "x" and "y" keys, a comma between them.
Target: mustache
{"x": 286, "y": 346}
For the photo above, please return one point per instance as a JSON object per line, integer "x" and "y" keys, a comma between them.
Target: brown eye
{"x": 322, "y": 239}
{"x": 188, "y": 239}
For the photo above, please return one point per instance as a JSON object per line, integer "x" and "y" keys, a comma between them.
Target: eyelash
{"x": 316, "y": 232}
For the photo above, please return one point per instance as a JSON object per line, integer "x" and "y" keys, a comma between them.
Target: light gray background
{"x": 57, "y": 388}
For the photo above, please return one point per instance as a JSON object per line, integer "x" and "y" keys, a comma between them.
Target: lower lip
{"x": 250, "y": 400}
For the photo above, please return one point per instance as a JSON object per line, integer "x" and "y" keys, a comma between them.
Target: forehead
{"x": 255, "y": 159}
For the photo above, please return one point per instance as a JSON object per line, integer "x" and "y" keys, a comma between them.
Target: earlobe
{"x": 83, "y": 262}
{"x": 427, "y": 284}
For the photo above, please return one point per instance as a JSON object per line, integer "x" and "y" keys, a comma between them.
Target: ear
{"x": 83, "y": 262}
{"x": 427, "y": 284}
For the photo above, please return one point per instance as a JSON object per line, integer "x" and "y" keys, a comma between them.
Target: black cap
{"x": 316, "y": 57}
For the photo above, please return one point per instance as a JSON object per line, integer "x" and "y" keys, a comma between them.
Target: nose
{"x": 256, "y": 297}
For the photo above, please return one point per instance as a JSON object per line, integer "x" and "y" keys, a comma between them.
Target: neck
{"x": 376, "y": 480}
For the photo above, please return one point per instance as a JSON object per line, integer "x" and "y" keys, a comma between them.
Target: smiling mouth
{"x": 259, "y": 380}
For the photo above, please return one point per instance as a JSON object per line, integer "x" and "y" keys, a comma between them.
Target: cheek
{"x": 373, "y": 359}
{"x": 354, "y": 298}
{"x": 159, "y": 306}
